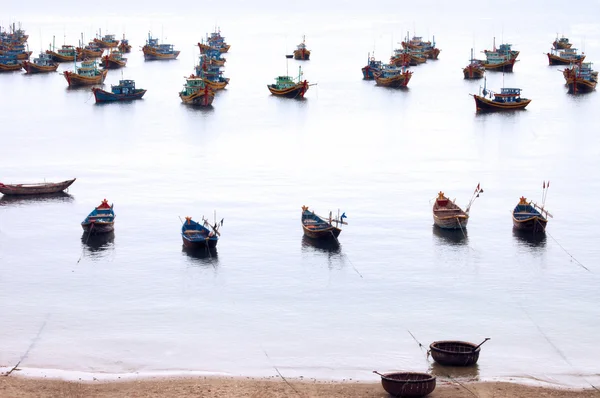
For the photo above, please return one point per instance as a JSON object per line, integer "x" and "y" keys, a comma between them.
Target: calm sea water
{"x": 136, "y": 302}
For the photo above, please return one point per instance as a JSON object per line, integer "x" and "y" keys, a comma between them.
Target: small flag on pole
{"x": 343, "y": 216}
{"x": 544, "y": 186}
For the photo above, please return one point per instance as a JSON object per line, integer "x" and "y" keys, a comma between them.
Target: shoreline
{"x": 24, "y": 383}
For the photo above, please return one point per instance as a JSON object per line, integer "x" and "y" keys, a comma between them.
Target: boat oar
{"x": 377, "y": 373}
{"x": 475, "y": 349}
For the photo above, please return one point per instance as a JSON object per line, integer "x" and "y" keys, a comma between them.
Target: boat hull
{"x": 302, "y": 55}
{"x": 105, "y": 96}
{"x": 76, "y": 80}
{"x": 473, "y": 72}
{"x": 209, "y": 243}
{"x": 322, "y": 234}
{"x": 556, "y": 60}
{"x": 394, "y": 82}
{"x": 151, "y": 55}
{"x": 96, "y": 227}
{"x": 458, "y": 221}
{"x": 369, "y": 73}
{"x": 106, "y": 44}
{"x": 32, "y": 68}
{"x": 483, "y": 104}
{"x": 10, "y": 67}
{"x": 125, "y": 48}
{"x": 533, "y": 224}
{"x": 580, "y": 86}
{"x": 59, "y": 57}
{"x": 83, "y": 53}
{"x": 110, "y": 63}
{"x": 220, "y": 85}
{"x": 35, "y": 189}
{"x": 506, "y": 66}
{"x": 454, "y": 353}
{"x": 297, "y": 91}
{"x": 199, "y": 98}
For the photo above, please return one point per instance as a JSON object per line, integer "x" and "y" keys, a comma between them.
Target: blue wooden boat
{"x": 124, "y": 91}
{"x": 372, "y": 67}
{"x": 317, "y": 227}
{"x": 154, "y": 51}
{"x": 9, "y": 63}
{"x": 196, "y": 235}
{"x": 210, "y": 74}
{"x": 528, "y": 216}
{"x": 100, "y": 220}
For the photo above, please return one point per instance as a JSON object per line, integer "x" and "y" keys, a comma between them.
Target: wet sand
{"x": 20, "y": 387}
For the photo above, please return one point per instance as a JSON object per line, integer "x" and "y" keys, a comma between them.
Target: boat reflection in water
{"x": 320, "y": 245}
{"x": 97, "y": 244}
{"x": 462, "y": 373}
{"x": 202, "y": 255}
{"x": 455, "y": 237}
{"x": 20, "y": 200}
{"x": 530, "y": 239}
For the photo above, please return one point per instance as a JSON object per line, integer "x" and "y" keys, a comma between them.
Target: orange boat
{"x": 42, "y": 64}
{"x": 87, "y": 74}
{"x": 106, "y": 41}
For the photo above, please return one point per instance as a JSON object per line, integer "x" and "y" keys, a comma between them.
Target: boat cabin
{"x": 508, "y": 95}
{"x": 125, "y": 87}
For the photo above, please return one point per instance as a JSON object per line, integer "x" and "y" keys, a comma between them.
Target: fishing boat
{"x": 87, "y": 74}
{"x": 154, "y": 51}
{"x": 455, "y": 353}
{"x": 392, "y": 76}
{"x": 17, "y": 50}
{"x": 371, "y": 68}
{"x": 302, "y": 53}
{"x": 287, "y": 86}
{"x": 448, "y": 215}
{"x": 35, "y": 189}
{"x": 124, "y": 91}
{"x": 426, "y": 47}
{"x": 528, "y": 216}
{"x": 90, "y": 50}
{"x": 565, "y": 57}
{"x": 505, "y": 50}
{"x": 317, "y": 227}
{"x": 216, "y": 40}
{"x": 124, "y": 46}
{"x": 106, "y": 41}
{"x": 196, "y": 235}
{"x": 100, "y": 220}
{"x": 211, "y": 75}
{"x": 114, "y": 60}
{"x": 14, "y": 35}
{"x": 196, "y": 92}
{"x": 42, "y": 64}
{"x": 66, "y": 53}
{"x": 562, "y": 43}
{"x": 498, "y": 63}
{"x": 581, "y": 78}
{"x": 9, "y": 64}
{"x": 213, "y": 56}
{"x": 474, "y": 70}
{"x": 508, "y": 99}
{"x": 407, "y": 384}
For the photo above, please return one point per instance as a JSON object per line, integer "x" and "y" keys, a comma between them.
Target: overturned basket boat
{"x": 455, "y": 353}
{"x": 407, "y": 384}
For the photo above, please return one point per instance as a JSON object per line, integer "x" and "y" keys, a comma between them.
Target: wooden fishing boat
{"x": 42, "y": 64}
{"x": 529, "y": 216}
{"x": 17, "y": 51}
{"x": 562, "y": 43}
{"x": 317, "y": 227}
{"x": 509, "y": 99}
{"x": 567, "y": 56}
{"x": 407, "y": 384}
{"x": 582, "y": 79}
{"x": 154, "y": 51}
{"x": 124, "y": 91}
{"x": 427, "y": 48}
{"x": 455, "y": 353}
{"x": 498, "y": 63}
{"x": 124, "y": 46}
{"x": 196, "y": 92}
{"x": 448, "y": 215}
{"x": 196, "y": 235}
{"x": 287, "y": 86}
{"x": 213, "y": 56}
{"x": 35, "y": 189}
{"x": 66, "y": 53}
{"x": 14, "y": 35}
{"x": 87, "y": 74}
{"x": 302, "y": 53}
{"x": 392, "y": 76}
{"x": 106, "y": 41}
{"x": 91, "y": 50}
{"x": 101, "y": 220}
{"x": 371, "y": 68}
{"x": 210, "y": 74}
{"x": 216, "y": 40}
{"x": 505, "y": 50}
{"x": 9, "y": 64}
{"x": 474, "y": 70}
{"x": 114, "y": 60}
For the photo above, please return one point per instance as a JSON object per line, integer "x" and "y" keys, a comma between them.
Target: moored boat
{"x": 87, "y": 74}
{"x": 498, "y": 63}
{"x": 106, "y": 41}
{"x": 561, "y": 43}
{"x": 302, "y": 53}
{"x": 392, "y": 76}
{"x": 16, "y": 50}
{"x": 210, "y": 74}
{"x": 213, "y": 56}
{"x": 373, "y": 66}
{"x": 286, "y": 86}
{"x": 581, "y": 78}
{"x": 407, "y": 384}
{"x": 196, "y": 92}
{"x": 317, "y": 227}
{"x": 155, "y": 51}
{"x": 35, "y": 189}
{"x": 66, "y": 53}
{"x": 100, "y": 220}
{"x": 42, "y": 64}
{"x": 124, "y": 91}
{"x": 90, "y": 50}
{"x": 124, "y": 45}
{"x": 448, "y": 215}
{"x": 9, "y": 64}
{"x": 455, "y": 353}
{"x": 427, "y": 48}
{"x": 505, "y": 50}
{"x": 507, "y": 100}
{"x": 528, "y": 216}
{"x": 196, "y": 235}
{"x": 474, "y": 70}
{"x": 113, "y": 60}
{"x": 565, "y": 57}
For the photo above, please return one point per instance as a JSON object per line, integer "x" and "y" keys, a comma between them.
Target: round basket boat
{"x": 408, "y": 384}
{"x": 455, "y": 353}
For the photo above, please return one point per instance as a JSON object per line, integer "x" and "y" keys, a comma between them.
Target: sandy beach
{"x": 20, "y": 387}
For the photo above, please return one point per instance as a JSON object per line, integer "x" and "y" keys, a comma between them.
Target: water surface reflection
{"x": 8, "y": 200}
{"x": 455, "y": 237}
